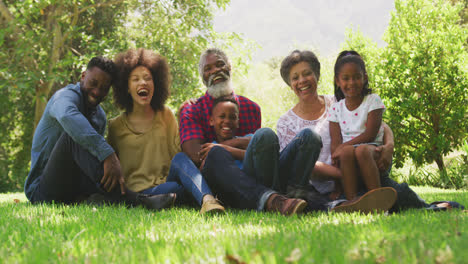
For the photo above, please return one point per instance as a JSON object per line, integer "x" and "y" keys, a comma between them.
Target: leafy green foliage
{"x": 43, "y": 43}
{"x": 425, "y": 84}
{"x": 422, "y": 77}
{"x": 46, "y": 45}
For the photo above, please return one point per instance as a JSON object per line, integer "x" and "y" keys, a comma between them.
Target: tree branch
{"x": 100, "y": 5}
{"x": 5, "y": 12}
{"x": 422, "y": 120}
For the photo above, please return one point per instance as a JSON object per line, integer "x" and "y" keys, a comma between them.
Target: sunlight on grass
{"x": 58, "y": 233}
{"x": 10, "y": 197}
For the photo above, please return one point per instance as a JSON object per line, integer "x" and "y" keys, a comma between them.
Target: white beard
{"x": 220, "y": 89}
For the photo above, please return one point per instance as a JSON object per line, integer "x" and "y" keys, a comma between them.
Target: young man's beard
{"x": 220, "y": 89}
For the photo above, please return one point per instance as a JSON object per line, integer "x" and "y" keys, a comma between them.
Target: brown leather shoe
{"x": 157, "y": 202}
{"x": 284, "y": 205}
{"x": 377, "y": 200}
{"x": 212, "y": 206}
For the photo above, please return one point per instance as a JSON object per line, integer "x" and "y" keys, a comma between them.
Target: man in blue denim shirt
{"x": 70, "y": 159}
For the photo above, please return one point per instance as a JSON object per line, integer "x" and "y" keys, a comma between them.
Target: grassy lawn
{"x": 84, "y": 234}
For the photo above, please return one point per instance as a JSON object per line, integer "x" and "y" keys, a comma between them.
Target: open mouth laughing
{"x": 216, "y": 78}
{"x": 143, "y": 92}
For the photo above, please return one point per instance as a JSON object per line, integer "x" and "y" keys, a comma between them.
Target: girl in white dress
{"x": 355, "y": 125}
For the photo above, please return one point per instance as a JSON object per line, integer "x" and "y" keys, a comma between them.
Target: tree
{"x": 46, "y": 43}
{"x": 424, "y": 80}
{"x": 42, "y": 43}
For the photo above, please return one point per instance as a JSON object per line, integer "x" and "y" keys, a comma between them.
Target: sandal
{"x": 379, "y": 200}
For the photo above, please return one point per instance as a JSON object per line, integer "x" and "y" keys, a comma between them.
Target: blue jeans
{"x": 183, "y": 175}
{"x": 261, "y": 160}
{"x": 290, "y": 167}
{"x": 72, "y": 174}
{"x": 167, "y": 187}
{"x": 231, "y": 184}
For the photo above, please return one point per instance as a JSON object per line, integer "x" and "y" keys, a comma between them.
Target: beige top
{"x": 145, "y": 157}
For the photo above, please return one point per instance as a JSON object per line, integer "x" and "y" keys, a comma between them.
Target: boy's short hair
{"x": 228, "y": 98}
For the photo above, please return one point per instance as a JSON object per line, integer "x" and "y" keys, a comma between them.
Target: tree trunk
{"x": 44, "y": 88}
{"x": 41, "y": 101}
{"x": 440, "y": 163}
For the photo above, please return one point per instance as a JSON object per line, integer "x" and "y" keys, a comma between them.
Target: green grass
{"x": 84, "y": 234}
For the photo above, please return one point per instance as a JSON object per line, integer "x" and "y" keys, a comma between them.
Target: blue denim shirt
{"x": 66, "y": 112}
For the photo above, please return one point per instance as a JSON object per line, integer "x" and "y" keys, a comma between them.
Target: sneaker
{"x": 377, "y": 200}
{"x": 212, "y": 206}
{"x": 157, "y": 202}
{"x": 284, "y": 205}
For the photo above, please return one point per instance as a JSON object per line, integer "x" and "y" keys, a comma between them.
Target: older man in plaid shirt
{"x": 230, "y": 183}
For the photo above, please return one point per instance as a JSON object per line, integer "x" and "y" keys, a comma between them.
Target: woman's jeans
{"x": 277, "y": 170}
{"x": 183, "y": 175}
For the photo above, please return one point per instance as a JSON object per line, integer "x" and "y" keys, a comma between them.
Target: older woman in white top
{"x": 301, "y": 71}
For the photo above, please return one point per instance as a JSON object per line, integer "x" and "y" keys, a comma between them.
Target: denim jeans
{"x": 168, "y": 187}
{"x": 261, "y": 160}
{"x": 71, "y": 174}
{"x": 231, "y": 184}
{"x": 183, "y": 174}
{"x": 290, "y": 167}
{"x": 298, "y": 158}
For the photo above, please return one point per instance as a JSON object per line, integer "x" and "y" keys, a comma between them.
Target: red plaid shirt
{"x": 195, "y": 119}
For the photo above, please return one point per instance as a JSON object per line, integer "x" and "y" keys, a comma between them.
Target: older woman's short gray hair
{"x": 296, "y": 57}
{"x": 205, "y": 54}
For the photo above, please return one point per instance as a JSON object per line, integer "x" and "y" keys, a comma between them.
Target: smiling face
{"x": 351, "y": 80}
{"x": 95, "y": 84}
{"x": 141, "y": 86}
{"x": 225, "y": 120}
{"x": 216, "y": 70}
{"x": 303, "y": 81}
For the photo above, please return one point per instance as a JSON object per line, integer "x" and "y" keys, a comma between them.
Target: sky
{"x": 279, "y": 26}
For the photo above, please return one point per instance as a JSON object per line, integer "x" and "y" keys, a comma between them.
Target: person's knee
{"x": 216, "y": 152}
{"x": 180, "y": 157}
{"x": 311, "y": 137}
{"x": 266, "y": 134}
{"x": 264, "y": 140}
{"x": 364, "y": 152}
{"x": 347, "y": 153}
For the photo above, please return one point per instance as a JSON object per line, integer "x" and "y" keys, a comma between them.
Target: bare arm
{"x": 335, "y": 136}
{"x": 192, "y": 148}
{"x": 323, "y": 171}
{"x": 386, "y": 150}
{"x": 237, "y": 153}
{"x": 238, "y": 142}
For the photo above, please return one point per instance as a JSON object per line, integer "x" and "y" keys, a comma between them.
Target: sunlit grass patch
{"x": 61, "y": 233}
